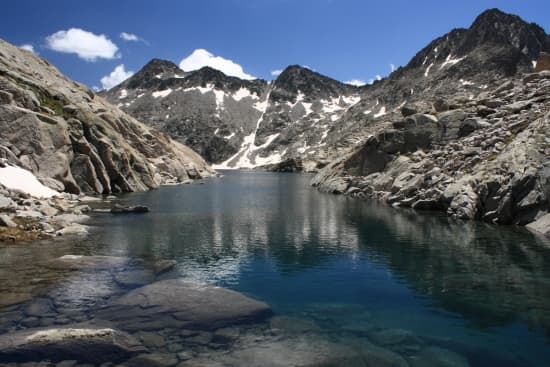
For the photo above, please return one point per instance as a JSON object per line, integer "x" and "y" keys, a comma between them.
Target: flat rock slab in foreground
{"x": 180, "y": 303}
{"x": 89, "y": 345}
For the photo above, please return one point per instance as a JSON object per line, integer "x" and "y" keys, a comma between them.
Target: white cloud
{"x": 86, "y": 45}
{"x": 28, "y": 47}
{"x": 117, "y": 76}
{"x": 356, "y": 82}
{"x": 201, "y": 58}
{"x": 129, "y": 37}
{"x": 276, "y": 72}
{"x": 392, "y": 67}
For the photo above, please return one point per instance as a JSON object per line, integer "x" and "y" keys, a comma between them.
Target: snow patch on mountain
{"x": 381, "y": 112}
{"x": 162, "y": 93}
{"x": 450, "y": 61}
{"x": 243, "y": 93}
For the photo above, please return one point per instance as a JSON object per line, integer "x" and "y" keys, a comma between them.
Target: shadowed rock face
{"x": 72, "y": 139}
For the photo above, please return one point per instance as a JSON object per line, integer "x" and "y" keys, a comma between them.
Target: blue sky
{"x": 344, "y": 39}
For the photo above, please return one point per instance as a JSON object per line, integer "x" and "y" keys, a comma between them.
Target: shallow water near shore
{"x": 346, "y": 270}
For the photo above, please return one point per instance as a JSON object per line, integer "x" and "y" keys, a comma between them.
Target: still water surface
{"x": 343, "y": 264}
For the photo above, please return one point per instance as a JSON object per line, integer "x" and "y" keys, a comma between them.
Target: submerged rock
{"x": 134, "y": 278}
{"x": 181, "y": 303}
{"x": 162, "y": 266}
{"x": 303, "y": 352}
{"x": 81, "y": 262}
{"x": 439, "y": 357}
{"x": 120, "y": 209}
{"x": 14, "y": 298}
{"x": 89, "y": 345}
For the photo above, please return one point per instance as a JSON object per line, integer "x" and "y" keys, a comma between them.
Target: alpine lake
{"x": 350, "y": 282}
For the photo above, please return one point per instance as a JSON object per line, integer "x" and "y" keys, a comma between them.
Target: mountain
{"x": 74, "y": 140}
{"x": 233, "y": 122}
{"x": 462, "y": 63}
{"x": 470, "y": 139}
{"x": 461, "y": 128}
{"x": 302, "y": 120}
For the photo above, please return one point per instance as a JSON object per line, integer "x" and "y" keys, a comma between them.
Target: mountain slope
{"x": 460, "y": 64}
{"x": 74, "y": 140}
{"x": 471, "y": 139}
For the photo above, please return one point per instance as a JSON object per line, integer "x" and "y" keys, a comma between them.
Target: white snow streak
{"x": 248, "y": 147}
{"x": 466, "y": 82}
{"x": 380, "y": 113}
{"x": 450, "y": 61}
{"x": 162, "y": 93}
{"x": 428, "y": 69}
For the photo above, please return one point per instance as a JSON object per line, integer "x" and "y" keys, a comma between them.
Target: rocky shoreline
{"x": 481, "y": 156}
{"x": 27, "y": 218}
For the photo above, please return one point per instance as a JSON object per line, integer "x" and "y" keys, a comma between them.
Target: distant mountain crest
{"x": 154, "y": 71}
{"x": 297, "y": 79}
{"x": 311, "y": 118}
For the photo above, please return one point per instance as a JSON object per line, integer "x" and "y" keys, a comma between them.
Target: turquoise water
{"x": 350, "y": 266}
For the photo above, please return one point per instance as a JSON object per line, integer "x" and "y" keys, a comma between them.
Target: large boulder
{"x": 88, "y": 345}
{"x": 183, "y": 303}
{"x": 450, "y": 123}
{"x": 540, "y": 226}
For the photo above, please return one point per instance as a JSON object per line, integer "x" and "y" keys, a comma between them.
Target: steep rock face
{"x": 74, "y": 140}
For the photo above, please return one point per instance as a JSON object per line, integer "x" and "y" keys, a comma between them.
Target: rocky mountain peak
{"x": 496, "y": 28}
{"x": 158, "y": 66}
{"x": 496, "y": 45}
{"x": 154, "y": 71}
{"x": 210, "y": 76}
{"x": 296, "y": 79}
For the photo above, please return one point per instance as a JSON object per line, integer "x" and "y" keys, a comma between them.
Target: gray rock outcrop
{"x": 90, "y": 345}
{"x": 74, "y": 140}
